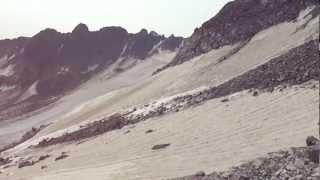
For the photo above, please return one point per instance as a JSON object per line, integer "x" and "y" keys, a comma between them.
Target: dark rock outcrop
{"x": 25, "y": 164}
{"x": 239, "y": 21}
{"x": 4, "y": 161}
{"x": 142, "y": 43}
{"x": 62, "y": 156}
{"x": 111, "y": 123}
{"x": 41, "y": 158}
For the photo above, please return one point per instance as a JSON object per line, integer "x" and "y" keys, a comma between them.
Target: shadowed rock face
{"x": 239, "y": 21}
{"x": 141, "y": 44}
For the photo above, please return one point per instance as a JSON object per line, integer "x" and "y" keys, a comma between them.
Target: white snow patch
{"x": 8, "y": 71}
{"x": 3, "y": 60}
{"x": 11, "y": 57}
{"x": 123, "y": 50}
{"x": 64, "y": 70}
{"x": 165, "y": 101}
{"x": 91, "y": 69}
{"x": 32, "y": 90}
{"x": 6, "y": 88}
{"x": 156, "y": 47}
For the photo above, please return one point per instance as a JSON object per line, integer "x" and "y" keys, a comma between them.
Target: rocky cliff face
{"x": 51, "y": 63}
{"x": 239, "y": 21}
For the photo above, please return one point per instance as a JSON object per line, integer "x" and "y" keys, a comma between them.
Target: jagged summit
{"x": 80, "y": 28}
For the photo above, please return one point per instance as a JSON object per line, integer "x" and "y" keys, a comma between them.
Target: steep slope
{"x": 207, "y": 70}
{"x": 237, "y": 22}
{"x": 216, "y": 110}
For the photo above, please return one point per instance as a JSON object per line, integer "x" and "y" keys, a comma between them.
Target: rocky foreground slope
{"x": 294, "y": 164}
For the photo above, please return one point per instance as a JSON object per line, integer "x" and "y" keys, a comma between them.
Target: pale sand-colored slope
{"x": 202, "y": 71}
{"x": 91, "y": 90}
{"x": 212, "y": 136}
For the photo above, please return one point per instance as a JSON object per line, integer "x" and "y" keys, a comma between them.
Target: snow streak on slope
{"x": 8, "y": 71}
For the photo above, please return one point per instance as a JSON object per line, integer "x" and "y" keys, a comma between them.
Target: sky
{"x": 179, "y": 17}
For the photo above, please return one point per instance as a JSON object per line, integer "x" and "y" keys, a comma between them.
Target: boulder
{"x": 160, "y": 146}
{"x": 311, "y": 141}
{"x": 25, "y": 164}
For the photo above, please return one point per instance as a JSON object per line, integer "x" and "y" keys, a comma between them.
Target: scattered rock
{"x": 200, "y": 174}
{"x": 255, "y": 93}
{"x": 160, "y": 146}
{"x": 225, "y": 100}
{"x": 44, "y": 167}
{"x": 311, "y": 141}
{"x": 62, "y": 156}
{"x": 116, "y": 121}
{"x": 41, "y": 158}
{"x": 149, "y": 131}
{"x": 25, "y": 164}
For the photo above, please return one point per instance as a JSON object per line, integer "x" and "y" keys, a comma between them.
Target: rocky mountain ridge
{"x": 52, "y": 63}
{"x": 238, "y": 21}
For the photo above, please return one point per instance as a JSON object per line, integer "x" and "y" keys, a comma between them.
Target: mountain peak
{"x": 80, "y": 28}
{"x": 143, "y": 31}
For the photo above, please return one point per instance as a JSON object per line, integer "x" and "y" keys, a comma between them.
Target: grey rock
{"x": 25, "y": 164}
{"x": 160, "y": 146}
{"x": 311, "y": 141}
